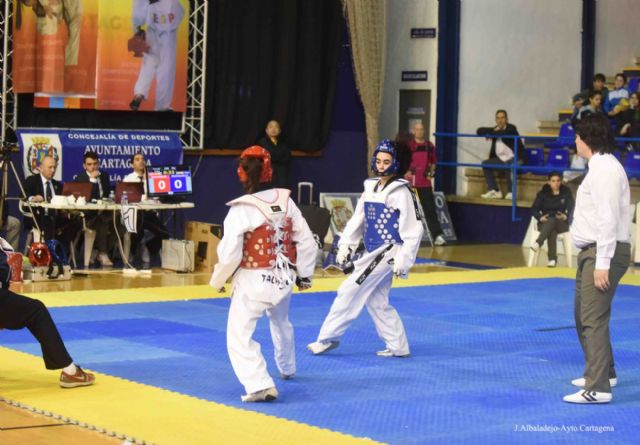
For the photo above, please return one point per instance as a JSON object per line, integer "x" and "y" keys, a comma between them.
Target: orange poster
{"x": 54, "y": 46}
{"x": 142, "y": 55}
{"x": 105, "y": 54}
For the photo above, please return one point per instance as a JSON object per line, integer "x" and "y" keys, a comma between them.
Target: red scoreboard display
{"x": 169, "y": 181}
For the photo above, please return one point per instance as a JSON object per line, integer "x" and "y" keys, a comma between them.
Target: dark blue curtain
{"x": 448, "y": 85}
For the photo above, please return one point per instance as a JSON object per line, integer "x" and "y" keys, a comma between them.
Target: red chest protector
{"x": 260, "y": 247}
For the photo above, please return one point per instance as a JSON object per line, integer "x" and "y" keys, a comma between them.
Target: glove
{"x": 400, "y": 270}
{"x": 303, "y": 283}
{"x": 344, "y": 254}
{"x": 138, "y": 44}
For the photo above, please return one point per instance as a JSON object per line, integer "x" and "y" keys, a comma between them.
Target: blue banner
{"x": 114, "y": 149}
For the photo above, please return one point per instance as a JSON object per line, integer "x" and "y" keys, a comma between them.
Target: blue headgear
{"x": 386, "y": 146}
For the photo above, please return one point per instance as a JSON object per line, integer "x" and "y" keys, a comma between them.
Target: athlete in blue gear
{"x": 388, "y": 220}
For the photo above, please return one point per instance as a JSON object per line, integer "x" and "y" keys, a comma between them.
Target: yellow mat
{"x": 151, "y": 414}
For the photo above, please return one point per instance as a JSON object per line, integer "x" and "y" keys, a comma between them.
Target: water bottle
{"x": 112, "y": 196}
{"x": 124, "y": 199}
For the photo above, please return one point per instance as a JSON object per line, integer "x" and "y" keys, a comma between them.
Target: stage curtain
{"x": 271, "y": 60}
{"x": 366, "y": 20}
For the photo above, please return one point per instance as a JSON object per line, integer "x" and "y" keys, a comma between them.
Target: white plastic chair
{"x": 563, "y": 238}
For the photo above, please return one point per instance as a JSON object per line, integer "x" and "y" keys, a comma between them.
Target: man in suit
{"x": 96, "y": 220}
{"x": 42, "y": 188}
{"x": 146, "y": 246}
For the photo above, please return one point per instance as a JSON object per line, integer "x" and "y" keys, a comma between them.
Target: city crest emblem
{"x": 40, "y": 148}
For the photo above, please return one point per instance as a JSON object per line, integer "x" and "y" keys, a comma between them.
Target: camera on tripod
{"x": 6, "y": 148}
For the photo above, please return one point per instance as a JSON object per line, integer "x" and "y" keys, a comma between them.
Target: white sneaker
{"x": 104, "y": 260}
{"x": 588, "y": 397}
{"x": 552, "y": 263}
{"x": 580, "y": 382}
{"x": 388, "y": 353}
{"x": 535, "y": 246}
{"x": 439, "y": 241}
{"x": 320, "y": 347}
{"x": 492, "y": 194}
{"x": 264, "y": 395}
{"x": 508, "y": 196}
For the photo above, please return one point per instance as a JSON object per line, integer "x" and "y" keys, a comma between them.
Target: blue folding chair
{"x": 566, "y": 138}
{"x": 534, "y": 158}
{"x": 633, "y": 84}
{"x": 632, "y": 165}
{"x": 558, "y": 160}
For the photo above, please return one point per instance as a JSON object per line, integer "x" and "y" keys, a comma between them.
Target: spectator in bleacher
{"x": 501, "y": 153}
{"x": 578, "y": 102}
{"x": 599, "y": 80}
{"x": 552, "y": 209}
{"x": 593, "y": 107}
{"x": 614, "y": 102}
{"x": 628, "y": 123}
{"x": 420, "y": 174}
{"x": 280, "y": 154}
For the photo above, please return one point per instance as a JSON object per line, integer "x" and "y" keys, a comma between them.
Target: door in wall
{"x": 415, "y": 106}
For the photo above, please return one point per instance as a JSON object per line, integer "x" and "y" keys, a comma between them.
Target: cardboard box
{"x": 205, "y": 237}
{"x": 178, "y": 255}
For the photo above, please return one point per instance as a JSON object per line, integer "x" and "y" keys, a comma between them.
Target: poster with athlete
{"x": 104, "y": 54}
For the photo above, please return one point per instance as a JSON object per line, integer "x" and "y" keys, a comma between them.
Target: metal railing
{"x": 514, "y": 166}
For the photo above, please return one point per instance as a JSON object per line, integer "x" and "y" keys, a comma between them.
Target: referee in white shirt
{"x": 600, "y": 229}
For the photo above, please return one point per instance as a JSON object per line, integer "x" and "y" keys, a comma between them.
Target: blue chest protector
{"x": 381, "y": 225}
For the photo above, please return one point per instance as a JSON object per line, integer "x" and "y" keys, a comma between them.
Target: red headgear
{"x": 39, "y": 254}
{"x": 255, "y": 151}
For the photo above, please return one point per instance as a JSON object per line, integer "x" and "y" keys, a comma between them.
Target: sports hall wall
{"x": 520, "y": 55}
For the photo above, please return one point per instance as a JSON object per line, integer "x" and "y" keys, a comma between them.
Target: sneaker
{"x": 580, "y": 382}
{"x": 284, "y": 376}
{"x": 80, "y": 378}
{"x": 508, "y": 196}
{"x": 588, "y": 397}
{"x": 135, "y": 103}
{"x": 320, "y": 347}
{"x": 104, "y": 260}
{"x": 440, "y": 241}
{"x": 552, "y": 263}
{"x": 388, "y": 353}
{"x": 535, "y": 246}
{"x": 492, "y": 194}
{"x": 264, "y": 395}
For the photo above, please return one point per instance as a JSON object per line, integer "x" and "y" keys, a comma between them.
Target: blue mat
{"x": 490, "y": 363}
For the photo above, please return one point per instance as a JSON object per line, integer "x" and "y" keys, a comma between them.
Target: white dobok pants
{"x": 374, "y": 293}
{"x": 244, "y": 352}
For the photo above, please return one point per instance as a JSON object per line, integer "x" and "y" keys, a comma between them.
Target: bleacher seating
{"x": 633, "y": 84}
{"x": 632, "y": 165}
{"x": 558, "y": 160}
{"x": 566, "y": 138}
{"x": 535, "y": 158}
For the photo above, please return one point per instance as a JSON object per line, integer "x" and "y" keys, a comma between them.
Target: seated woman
{"x": 553, "y": 209}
